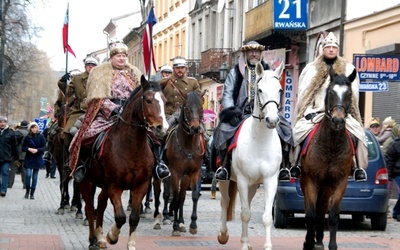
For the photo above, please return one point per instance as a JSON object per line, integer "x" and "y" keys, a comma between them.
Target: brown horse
{"x": 327, "y": 164}
{"x": 60, "y": 155}
{"x": 126, "y": 163}
{"x": 185, "y": 149}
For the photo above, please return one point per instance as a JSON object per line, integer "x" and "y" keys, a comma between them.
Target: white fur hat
{"x": 32, "y": 124}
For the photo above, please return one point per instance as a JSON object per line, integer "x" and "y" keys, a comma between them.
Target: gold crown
{"x": 117, "y": 46}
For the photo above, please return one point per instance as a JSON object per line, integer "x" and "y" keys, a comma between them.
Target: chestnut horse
{"x": 255, "y": 159}
{"x": 327, "y": 164}
{"x": 126, "y": 163}
{"x": 185, "y": 149}
{"x": 60, "y": 155}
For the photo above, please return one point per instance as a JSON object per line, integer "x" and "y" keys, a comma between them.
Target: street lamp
{"x": 223, "y": 72}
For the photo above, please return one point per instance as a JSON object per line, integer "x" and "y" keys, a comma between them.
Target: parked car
{"x": 362, "y": 200}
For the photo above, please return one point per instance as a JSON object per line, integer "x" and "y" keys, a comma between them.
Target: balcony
{"x": 259, "y": 21}
{"x": 212, "y": 60}
{"x": 193, "y": 67}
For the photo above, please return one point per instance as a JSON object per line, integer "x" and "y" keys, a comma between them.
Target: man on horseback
{"x": 175, "y": 88}
{"x": 237, "y": 102}
{"x": 313, "y": 82}
{"x": 108, "y": 86}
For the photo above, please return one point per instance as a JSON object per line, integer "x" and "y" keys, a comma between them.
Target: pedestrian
{"x": 17, "y": 166}
{"x": 8, "y": 153}
{"x": 34, "y": 144}
{"x": 313, "y": 82}
{"x": 375, "y": 126}
{"x": 109, "y": 85}
{"x": 392, "y": 159}
{"x": 386, "y": 131}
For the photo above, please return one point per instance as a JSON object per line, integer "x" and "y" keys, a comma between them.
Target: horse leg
{"x": 270, "y": 187}
{"x": 175, "y": 205}
{"x": 195, "y": 199}
{"x": 101, "y": 207}
{"x": 182, "y": 196}
{"x": 245, "y": 214}
{"x": 334, "y": 213}
{"x": 76, "y": 201}
{"x": 85, "y": 186}
{"x": 223, "y": 235}
{"x": 310, "y": 198}
{"x": 157, "y": 215}
{"x": 321, "y": 209}
{"x": 119, "y": 214}
{"x": 166, "y": 196}
{"x": 147, "y": 209}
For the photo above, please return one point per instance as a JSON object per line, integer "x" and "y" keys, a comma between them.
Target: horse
{"x": 125, "y": 163}
{"x": 327, "y": 164}
{"x": 185, "y": 149}
{"x": 60, "y": 155}
{"x": 255, "y": 159}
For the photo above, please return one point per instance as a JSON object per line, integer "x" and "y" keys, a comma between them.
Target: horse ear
{"x": 143, "y": 82}
{"x": 353, "y": 75}
{"x": 278, "y": 71}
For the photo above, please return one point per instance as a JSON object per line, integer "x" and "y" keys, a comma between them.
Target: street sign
{"x": 377, "y": 67}
{"x": 290, "y": 14}
{"x": 374, "y": 86}
{"x": 209, "y": 115}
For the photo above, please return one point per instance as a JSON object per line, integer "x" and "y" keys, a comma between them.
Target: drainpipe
{"x": 342, "y": 15}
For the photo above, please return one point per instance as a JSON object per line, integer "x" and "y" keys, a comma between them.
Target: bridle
{"x": 187, "y": 119}
{"x": 144, "y": 125}
{"x": 262, "y": 106}
{"x": 340, "y": 106}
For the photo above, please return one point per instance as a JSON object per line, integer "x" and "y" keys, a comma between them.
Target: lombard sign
{"x": 290, "y": 14}
{"x": 377, "y": 68}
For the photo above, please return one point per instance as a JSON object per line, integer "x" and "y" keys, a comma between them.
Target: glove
{"x": 248, "y": 109}
{"x": 115, "y": 111}
{"x": 66, "y": 77}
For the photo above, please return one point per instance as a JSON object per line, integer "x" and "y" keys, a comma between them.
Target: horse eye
{"x": 259, "y": 91}
{"x": 148, "y": 101}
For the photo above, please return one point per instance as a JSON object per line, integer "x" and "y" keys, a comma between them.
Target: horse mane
{"x": 151, "y": 85}
{"x": 193, "y": 97}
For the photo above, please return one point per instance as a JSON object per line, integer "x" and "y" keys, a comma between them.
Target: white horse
{"x": 256, "y": 159}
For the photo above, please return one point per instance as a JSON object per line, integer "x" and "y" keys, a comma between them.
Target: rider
{"x": 108, "y": 86}
{"x": 166, "y": 71}
{"x": 74, "y": 95}
{"x": 313, "y": 82}
{"x": 237, "y": 103}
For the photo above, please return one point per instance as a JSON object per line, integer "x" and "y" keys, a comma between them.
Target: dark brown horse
{"x": 60, "y": 155}
{"x": 126, "y": 164}
{"x": 327, "y": 164}
{"x": 185, "y": 149}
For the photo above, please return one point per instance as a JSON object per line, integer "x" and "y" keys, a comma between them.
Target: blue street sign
{"x": 374, "y": 86}
{"x": 290, "y": 14}
{"x": 42, "y": 123}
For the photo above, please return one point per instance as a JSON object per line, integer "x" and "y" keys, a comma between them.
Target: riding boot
{"x": 161, "y": 170}
{"x": 284, "y": 173}
{"x": 26, "y": 194}
{"x": 221, "y": 174}
{"x": 295, "y": 171}
{"x": 32, "y": 194}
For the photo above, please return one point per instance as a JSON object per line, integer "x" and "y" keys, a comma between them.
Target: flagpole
{"x": 66, "y": 54}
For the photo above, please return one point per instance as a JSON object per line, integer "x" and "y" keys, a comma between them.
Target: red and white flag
{"x": 66, "y": 46}
{"x": 148, "y": 53}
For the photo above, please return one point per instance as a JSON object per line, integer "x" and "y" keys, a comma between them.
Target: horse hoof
{"x": 176, "y": 233}
{"x": 110, "y": 241}
{"x": 142, "y": 215}
{"x": 60, "y": 211}
{"x": 167, "y": 222}
{"x": 157, "y": 226}
{"x": 86, "y": 222}
{"x": 73, "y": 208}
{"x": 223, "y": 238}
{"x": 79, "y": 216}
{"x": 147, "y": 211}
{"x": 193, "y": 230}
{"x": 94, "y": 248}
{"x": 102, "y": 244}
{"x": 67, "y": 206}
{"x": 318, "y": 246}
{"x": 182, "y": 228}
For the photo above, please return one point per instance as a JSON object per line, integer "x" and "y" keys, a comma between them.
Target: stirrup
{"x": 284, "y": 175}
{"x": 360, "y": 175}
{"x": 162, "y": 171}
{"x": 221, "y": 174}
{"x": 295, "y": 171}
{"x": 79, "y": 173}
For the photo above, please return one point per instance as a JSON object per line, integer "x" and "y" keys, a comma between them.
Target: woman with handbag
{"x": 34, "y": 144}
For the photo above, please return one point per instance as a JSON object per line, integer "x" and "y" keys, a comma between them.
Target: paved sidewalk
{"x": 34, "y": 224}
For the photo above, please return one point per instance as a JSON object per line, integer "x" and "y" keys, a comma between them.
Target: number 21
{"x": 286, "y": 7}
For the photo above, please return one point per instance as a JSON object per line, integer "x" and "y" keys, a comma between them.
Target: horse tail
{"x": 230, "y": 213}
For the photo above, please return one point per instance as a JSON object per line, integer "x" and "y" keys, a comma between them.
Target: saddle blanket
{"x": 233, "y": 143}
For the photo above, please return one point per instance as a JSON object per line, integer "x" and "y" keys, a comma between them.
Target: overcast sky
{"x": 87, "y": 20}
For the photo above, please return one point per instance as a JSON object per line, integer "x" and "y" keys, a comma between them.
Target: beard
{"x": 252, "y": 62}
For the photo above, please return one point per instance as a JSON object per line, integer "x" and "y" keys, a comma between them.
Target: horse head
{"x": 192, "y": 113}
{"x": 268, "y": 96}
{"x": 338, "y": 98}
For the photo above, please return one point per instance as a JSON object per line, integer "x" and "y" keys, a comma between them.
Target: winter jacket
{"x": 34, "y": 161}
{"x": 392, "y": 158}
{"x": 8, "y": 145}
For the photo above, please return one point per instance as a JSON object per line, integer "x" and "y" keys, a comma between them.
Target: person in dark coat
{"x": 8, "y": 153}
{"x": 18, "y": 164}
{"x": 392, "y": 159}
{"x": 34, "y": 144}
